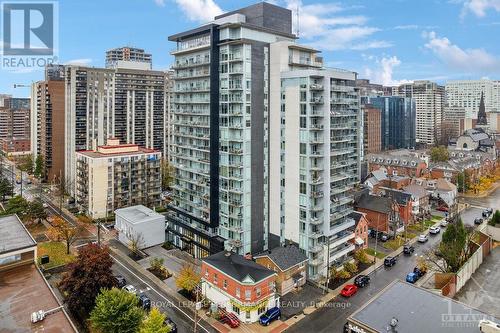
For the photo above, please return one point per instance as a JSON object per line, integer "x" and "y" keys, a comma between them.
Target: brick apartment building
{"x": 397, "y": 165}
{"x": 372, "y": 139}
{"x": 14, "y": 125}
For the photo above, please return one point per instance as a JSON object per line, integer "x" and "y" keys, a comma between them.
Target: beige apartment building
{"x": 115, "y": 176}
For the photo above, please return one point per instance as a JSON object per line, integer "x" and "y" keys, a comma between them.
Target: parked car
{"x": 120, "y": 281}
{"x": 390, "y": 261}
{"x": 408, "y": 249}
{"x": 478, "y": 220}
{"x": 423, "y": 238}
{"x": 434, "y": 230}
{"x": 372, "y": 233}
{"x": 383, "y": 237}
{"x": 442, "y": 208}
{"x": 169, "y": 322}
{"x": 419, "y": 272}
{"x": 361, "y": 280}
{"x": 45, "y": 205}
{"x": 349, "y": 290}
{"x": 487, "y": 212}
{"x": 130, "y": 289}
{"x": 412, "y": 277}
{"x": 488, "y": 326}
{"x": 443, "y": 223}
{"x": 144, "y": 302}
{"x": 269, "y": 316}
{"x": 231, "y": 319}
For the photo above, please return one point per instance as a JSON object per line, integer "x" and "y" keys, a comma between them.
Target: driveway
{"x": 294, "y": 303}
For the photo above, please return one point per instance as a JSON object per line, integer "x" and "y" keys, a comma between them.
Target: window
{"x": 215, "y": 278}
{"x": 248, "y": 294}
{"x": 303, "y": 122}
{"x": 206, "y": 272}
{"x": 271, "y": 286}
{"x": 236, "y": 309}
{"x": 261, "y": 310}
{"x": 238, "y": 292}
{"x": 257, "y": 292}
{"x": 303, "y": 148}
{"x": 224, "y": 284}
{"x": 303, "y": 188}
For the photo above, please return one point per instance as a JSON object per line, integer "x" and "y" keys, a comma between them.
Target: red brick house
{"x": 360, "y": 230}
{"x": 238, "y": 285}
{"x": 409, "y": 166}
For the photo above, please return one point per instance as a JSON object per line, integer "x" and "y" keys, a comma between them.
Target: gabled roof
{"x": 400, "y": 197}
{"x": 444, "y": 185}
{"x": 416, "y": 190}
{"x": 374, "y": 203}
{"x": 356, "y": 216}
{"x": 285, "y": 257}
{"x": 237, "y": 267}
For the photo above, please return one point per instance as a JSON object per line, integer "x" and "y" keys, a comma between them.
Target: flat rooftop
{"x": 23, "y": 291}
{"x": 136, "y": 214}
{"x": 14, "y": 235}
{"x": 417, "y": 310}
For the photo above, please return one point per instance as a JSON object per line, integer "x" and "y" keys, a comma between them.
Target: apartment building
{"x": 466, "y": 94}
{"x": 372, "y": 130}
{"x": 125, "y": 55}
{"x": 452, "y": 116}
{"x": 220, "y": 147}
{"x": 429, "y": 100}
{"x": 398, "y": 121}
{"x": 47, "y": 122}
{"x": 115, "y": 176}
{"x": 14, "y": 125}
{"x": 127, "y": 102}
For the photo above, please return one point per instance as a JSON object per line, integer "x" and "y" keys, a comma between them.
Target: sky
{"x": 386, "y": 41}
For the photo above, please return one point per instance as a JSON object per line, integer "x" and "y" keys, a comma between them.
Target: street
{"x": 333, "y": 316}
{"x": 478, "y": 204}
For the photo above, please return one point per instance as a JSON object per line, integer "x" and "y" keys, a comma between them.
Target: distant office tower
{"x": 429, "y": 100}
{"x": 452, "y": 115}
{"x": 47, "y": 122}
{"x": 366, "y": 88}
{"x": 123, "y": 56}
{"x": 124, "y": 102}
{"x": 372, "y": 129}
{"x": 398, "y": 119}
{"x": 115, "y": 176}
{"x": 14, "y": 125}
{"x": 466, "y": 94}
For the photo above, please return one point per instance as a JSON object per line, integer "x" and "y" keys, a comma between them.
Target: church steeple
{"x": 481, "y": 115}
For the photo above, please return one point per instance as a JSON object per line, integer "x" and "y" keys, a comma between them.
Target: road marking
{"x": 166, "y": 299}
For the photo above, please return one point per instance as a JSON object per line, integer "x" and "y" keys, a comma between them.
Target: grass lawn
{"x": 371, "y": 252}
{"x": 416, "y": 228}
{"x": 436, "y": 218}
{"x": 394, "y": 244}
{"x": 56, "y": 252}
{"x": 429, "y": 223}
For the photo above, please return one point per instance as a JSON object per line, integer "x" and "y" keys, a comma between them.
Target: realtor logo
{"x": 29, "y": 32}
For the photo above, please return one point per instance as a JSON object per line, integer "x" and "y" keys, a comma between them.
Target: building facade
{"x": 398, "y": 121}
{"x": 429, "y": 100}
{"x": 47, "y": 122}
{"x": 123, "y": 55}
{"x": 466, "y": 94}
{"x": 15, "y": 125}
{"x": 115, "y": 176}
{"x": 372, "y": 130}
{"x": 220, "y": 146}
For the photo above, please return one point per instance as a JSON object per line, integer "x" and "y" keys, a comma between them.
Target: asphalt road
{"x": 478, "y": 205}
{"x": 333, "y": 316}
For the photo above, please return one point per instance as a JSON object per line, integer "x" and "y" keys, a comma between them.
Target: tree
{"x": 439, "y": 154}
{"x": 116, "y": 311}
{"x": 153, "y": 323}
{"x": 26, "y": 164}
{"x": 17, "y": 205}
{"x": 342, "y": 274}
{"x": 135, "y": 241}
{"x": 85, "y": 277}
{"x": 495, "y": 218}
{"x": 39, "y": 167}
{"x": 66, "y": 232}
{"x": 187, "y": 279}
{"x": 5, "y": 188}
{"x": 360, "y": 255}
{"x": 463, "y": 182}
{"x": 36, "y": 211}
{"x": 351, "y": 267}
{"x": 167, "y": 174}
{"x": 454, "y": 247}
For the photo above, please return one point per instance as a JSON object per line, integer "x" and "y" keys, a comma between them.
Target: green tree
{"x": 39, "y": 167}
{"x": 5, "y": 188}
{"x": 26, "y": 164}
{"x": 187, "y": 279}
{"x": 17, "y": 205}
{"x": 153, "y": 323}
{"x": 454, "y": 246}
{"x": 495, "y": 218}
{"x": 463, "y": 182}
{"x": 439, "y": 154}
{"x": 36, "y": 211}
{"x": 116, "y": 311}
{"x": 85, "y": 277}
{"x": 167, "y": 174}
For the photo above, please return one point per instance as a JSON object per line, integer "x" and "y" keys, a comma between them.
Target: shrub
{"x": 342, "y": 274}
{"x": 351, "y": 267}
{"x": 361, "y": 257}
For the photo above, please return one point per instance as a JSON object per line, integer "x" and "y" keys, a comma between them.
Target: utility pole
{"x": 327, "y": 266}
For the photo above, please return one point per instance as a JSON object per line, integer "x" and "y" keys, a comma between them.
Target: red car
{"x": 442, "y": 208}
{"x": 349, "y": 290}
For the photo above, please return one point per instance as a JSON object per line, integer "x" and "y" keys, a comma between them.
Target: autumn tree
{"x": 65, "y": 231}
{"x": 85, "y": 277}
{"x": 26, "y": 164}
{"x": 154, "y": 323}
{"x": 135, "y": 242}
{"x": 39, "y": 170}
{"x": 167, "y": 174}
{"x": 116, "y": 311}
{"x": 188, "y": 278}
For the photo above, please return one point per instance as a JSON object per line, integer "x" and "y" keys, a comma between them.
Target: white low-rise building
{"x": 141, "y": 225}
